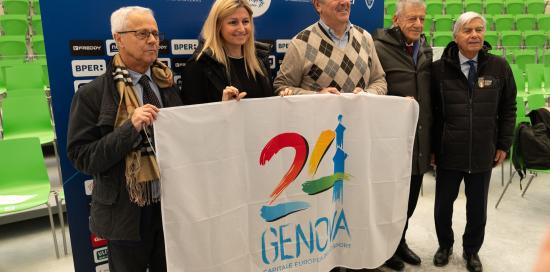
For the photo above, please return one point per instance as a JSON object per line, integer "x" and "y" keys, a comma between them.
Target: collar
{"x": 136, "y": 76}
{"x": 331, "y": 32}
{"x": 462, "y": 59}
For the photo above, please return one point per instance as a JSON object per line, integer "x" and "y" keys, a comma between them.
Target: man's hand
{"x": 285, "y": 92}
{"x": 329, "y": 90}
{"x": 144, "y": 115}
{"x": 358, "y": 90}
{"x": 500, "y": 156}
{"x": 232, "y": 93}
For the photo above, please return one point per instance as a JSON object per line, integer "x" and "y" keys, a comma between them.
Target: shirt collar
{"x": 464, "y": 59}
{"x": 135, "y": 76}
{"x": 331, "y": 32}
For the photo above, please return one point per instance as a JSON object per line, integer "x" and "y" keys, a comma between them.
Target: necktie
{"x": 409, "y": 49}
{"x": 472, "y": 77}
{"x": 149, "y": 97}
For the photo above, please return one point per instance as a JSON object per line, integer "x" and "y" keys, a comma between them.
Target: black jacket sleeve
{"x": 93, "y": 145}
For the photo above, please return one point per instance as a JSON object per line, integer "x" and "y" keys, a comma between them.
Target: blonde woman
{"x": 228, "y": 64}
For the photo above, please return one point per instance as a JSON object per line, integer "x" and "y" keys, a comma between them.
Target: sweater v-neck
{"x": 316, "y": 29}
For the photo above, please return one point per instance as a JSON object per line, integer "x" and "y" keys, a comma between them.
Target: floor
{"x": 513, "y": 235}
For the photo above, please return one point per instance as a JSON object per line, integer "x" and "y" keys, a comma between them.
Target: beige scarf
{"x": 142, "y": 172}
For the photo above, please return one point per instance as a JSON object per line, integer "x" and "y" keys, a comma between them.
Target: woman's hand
{"x": 232, "y": 93}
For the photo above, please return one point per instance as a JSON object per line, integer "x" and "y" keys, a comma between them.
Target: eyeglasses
{"x": 413, "y": 19}
{"x": 144, "y": 34}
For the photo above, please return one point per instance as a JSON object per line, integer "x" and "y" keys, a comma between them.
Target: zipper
{"x": 470, "y": 113}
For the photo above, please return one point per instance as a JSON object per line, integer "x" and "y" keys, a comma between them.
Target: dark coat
{"x": 204, "y": 79}
{"x": 405, "y": 78}
{"x": 95, "y": 147}
{"x": 469, "y": 129}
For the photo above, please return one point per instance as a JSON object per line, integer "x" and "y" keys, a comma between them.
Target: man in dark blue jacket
{"x": 474, "y": 115}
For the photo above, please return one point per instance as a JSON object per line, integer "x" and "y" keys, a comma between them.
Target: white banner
{"x": 300, "y": 183}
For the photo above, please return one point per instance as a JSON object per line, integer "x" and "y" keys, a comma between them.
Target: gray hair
{"x": 400, "y": 5}
{"x": 465, "y": 18}
{"x": 119, "y": 16}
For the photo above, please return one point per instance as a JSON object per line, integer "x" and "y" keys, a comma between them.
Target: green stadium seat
{"x": 519, "y": 79}
{"x": 36, "y": 6}
{"x": 24, "y": 77}
{"x": 515, "y": 7}
{"x": 428, "y": 37}
{"x": 492, "y": 38}
{"x": 535, "y": 38}
{"x": 490, "y": 22}
{"x": 543, "y": 22}
{"x": 509, "y": 55}
{"x": 511, "y": 38}
{"x": 38, "y": 47}
{"x": 522, "y": 57}
{"x": 14, "y": 24}
{"x": 494, "y": 7}
{"x": 428, "y": 23}
{"x": 3, "y": 65}
{"x": 504, "y": 22}
{"x": 473, "y": 5}
{"x": 497, "y": 52}
{"x": 27, "y": 116}
{"x": 390, "y": 7}
{"x": 388, "y": 21}
{"x": 546, "y": 59}
{"x": 520, "y": 110}
{"x": 434, "y": 8}
{"x": 535, "y": 78}
{"x": 41, "y": 60}
{"x": 36, "y": 25}
{"x": 442, "y": 38}
{"x": 16, "y": 7}
{"x": 443, "y": 23}
{"x": 535, "y": 6}
{"x": 526, "y": 22}
{"x": 547, "y": 79}
{"x": 454, "y": 7}
{"x": 536, "y": 101}
{"x": 13, "y": 47}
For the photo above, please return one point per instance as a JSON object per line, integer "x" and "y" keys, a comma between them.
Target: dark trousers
{"x": 446, "y": 190}
{"x": 416, "y": 183}
{"x": 137, "y": 256}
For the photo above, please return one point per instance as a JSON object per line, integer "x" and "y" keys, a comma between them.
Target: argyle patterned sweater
{"x": 314, "y": 62}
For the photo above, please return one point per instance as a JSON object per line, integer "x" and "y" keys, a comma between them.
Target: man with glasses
{"x": 331, "y": 56}
{"x": 110, "y": 138}
{"x": 474, "y": 98}
{"x": 406, "y": 57}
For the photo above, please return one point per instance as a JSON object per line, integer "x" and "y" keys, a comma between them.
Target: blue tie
{"x": 472, "y": 77}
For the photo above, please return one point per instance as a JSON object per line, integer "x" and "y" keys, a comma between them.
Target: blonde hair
{"x": 211, "y": 33}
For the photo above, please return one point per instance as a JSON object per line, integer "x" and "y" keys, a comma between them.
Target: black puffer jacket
{"x": 204, "y": 79}
{"x": 469, "y": 130}
{"x": 405, "y": 78}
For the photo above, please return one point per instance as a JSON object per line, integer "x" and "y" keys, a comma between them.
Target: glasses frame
{"x": 140, "y": 32}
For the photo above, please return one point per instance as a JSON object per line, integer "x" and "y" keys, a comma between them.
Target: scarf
{"x": 141, "y": 172}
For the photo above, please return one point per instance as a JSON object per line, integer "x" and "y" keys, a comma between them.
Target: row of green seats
{"x": 21, "y": 6}
{"x": 19, "y": 25}
{"x": 498, "y": 22}
{"x": 15, "y": 46}
{"x": 489, "y": 7}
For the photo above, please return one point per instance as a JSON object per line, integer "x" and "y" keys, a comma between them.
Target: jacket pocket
{"x": 106, "y": 189}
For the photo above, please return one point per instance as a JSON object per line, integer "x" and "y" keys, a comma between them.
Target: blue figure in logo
{"x": 339, "y": 161}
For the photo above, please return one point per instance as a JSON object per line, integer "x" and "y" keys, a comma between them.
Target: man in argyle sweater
{"x": 331, "y": 56}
